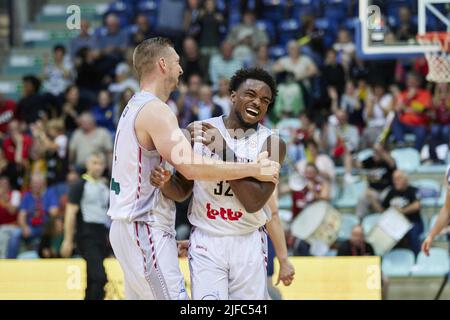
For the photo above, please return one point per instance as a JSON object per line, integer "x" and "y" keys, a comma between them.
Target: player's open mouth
{"x": 252, "y": 112}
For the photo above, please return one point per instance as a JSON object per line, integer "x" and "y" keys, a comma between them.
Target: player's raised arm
{"x": 173, "y": 146}
{"x": 254, "y": 194}
{"x": 441, "y": 222}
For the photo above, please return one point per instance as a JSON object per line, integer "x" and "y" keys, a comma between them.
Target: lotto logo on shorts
{"x": 225, "y": 214}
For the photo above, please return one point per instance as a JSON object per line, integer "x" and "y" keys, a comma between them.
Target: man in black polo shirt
{"x": 380, "y": 168}
{"x": 86, "y": 209}
{"x": 403, "y": 197}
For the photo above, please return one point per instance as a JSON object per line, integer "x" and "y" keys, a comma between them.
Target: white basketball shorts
{"x": 149, "y": 260}
{"x": 228, "y": 267}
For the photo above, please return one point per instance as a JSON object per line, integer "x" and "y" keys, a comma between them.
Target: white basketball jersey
{"x": 132, "y": 197}
{"x": 214, "y": 207}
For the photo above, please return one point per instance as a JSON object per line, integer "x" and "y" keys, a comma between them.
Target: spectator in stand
{"x": 406, "y": 28}
{"x": 223, "y": 64}
{"x": 52, "y": 238}
{"x": 9, "y": 203}
{"x": 440, "y": 124}
{"x": 84, "y": 39}
{"x": 403, "y": 198}
{"x": 411, "y": 105}
{"x": 323, "y": 162}
{"x": 36, "y": 207}
{"x": 9, "y": 169}
{"x": 73, "y": 106}
{"x": 32, "y": 106}
{"x": 88, "y": 139}
{"x": 248, "y": 27}
{"x": 333, "y": 74}
{"x": 124, "y": 79}
{"x": 17, "y": 146}
{"x": 300, "y": 65}
{"x": 125, "y": 96}
{"x": 222, "y": 97}
{"x": 380, "y": 168}
{"x": 192, "y": 61}
{"x": 89, "y": 76}
{"x": 206, "y": 108}
{"x": 115, "y": 41}
{"x": 7, "y": 114}
{"x": 143, "y": 31}
{"x": 356, "y": 245}
{"x": 243, "y": 49}
{"x": 192, "y": 13}
{"x": 341, "y": 139}
{"x": 352, "y": 104}
{"x": 104, "y": 112}
{"x": 345, "y": 48}
{"x": 262, "y": 59}
{"x": 316, "y": 188}
{"x": 59, "y": 73}
{"x": 191, "y": 100}
{"x": 86, "y": 223}
{"x": 378, "y": 105}
{"x": 171, "y": 28}
{"x": 256, "y": 6}
{"x": 210, "y": 21}
{"x": 52, "y": 143}
{"x": 289, "y": 102}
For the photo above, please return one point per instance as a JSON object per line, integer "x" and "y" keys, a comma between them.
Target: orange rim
{"x": 441, "y": 38}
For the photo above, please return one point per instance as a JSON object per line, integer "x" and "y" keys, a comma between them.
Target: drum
{"x": 391, "y": 227}
{"x": 319, "y": 225}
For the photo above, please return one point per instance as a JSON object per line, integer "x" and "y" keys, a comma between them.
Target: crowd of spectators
{"x": 71, "y": 110}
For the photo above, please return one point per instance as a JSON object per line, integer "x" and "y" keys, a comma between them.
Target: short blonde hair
{"x": 147, "y": 52}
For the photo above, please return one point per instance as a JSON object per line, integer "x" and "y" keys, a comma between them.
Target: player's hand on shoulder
{"x": 159, "y": 177}
{"x": 286, "y": 273}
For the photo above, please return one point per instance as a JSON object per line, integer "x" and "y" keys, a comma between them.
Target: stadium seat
{"x": 398, "y": 263}
{"x": 288, "y": 30}
{"x": 28, "y": 255}
{"x": 273, "y": 10}
{"x": 350, "y": 195}
{"x": 277, "y": 51}
{"x": 437, "y": 264}
{"x": 285, "y": 202}
{"x": 370, "y": 221}
{"x": 364, "y": 154}
{"x": 348, "y": 221}
{"x": 428, "y": 188}
{"x": 407, "y": 159}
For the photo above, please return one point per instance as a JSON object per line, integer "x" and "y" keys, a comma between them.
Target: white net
{"x": 439, "y": 60}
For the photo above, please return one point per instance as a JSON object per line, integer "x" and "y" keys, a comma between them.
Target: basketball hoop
{"x": 438, "y": 60}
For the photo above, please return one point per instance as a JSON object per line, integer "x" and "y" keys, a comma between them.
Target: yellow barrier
{"x": 316, "y": 278}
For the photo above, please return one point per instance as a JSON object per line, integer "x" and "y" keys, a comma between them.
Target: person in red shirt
{"x": 410, "y": 110}
{"x": 9, "y": 202}
{"x": 440, "y": 119}
{"x": 7, "y": 114}
{"x": 316, "y": 188}
{"x": 17, "y": 146}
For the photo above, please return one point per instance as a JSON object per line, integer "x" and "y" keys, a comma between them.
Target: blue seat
{"x": 407, "y": 159}
{"x": 278, "y": 51}
{"x": 364, "y": 154}
{"x": 427, "y": 188}
{"x": 437, "y": 264}
{"x": 285, "y": 202}
{"x": 288, "y": 30}
{"x": 28, "y": 255}
{"x": 348, "y": 221}
{"x": 273, "y": 10}
{"x": 370, "y": 221}
{"x": 398, "y": 263}
{"x": 350, "y": 195}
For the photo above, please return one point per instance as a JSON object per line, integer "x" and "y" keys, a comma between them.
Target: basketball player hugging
{"x": 231, "y": 219}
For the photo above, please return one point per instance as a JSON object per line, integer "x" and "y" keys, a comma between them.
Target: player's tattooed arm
{"x": 173, "y": 186}
{"x": 252, "y": 193}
